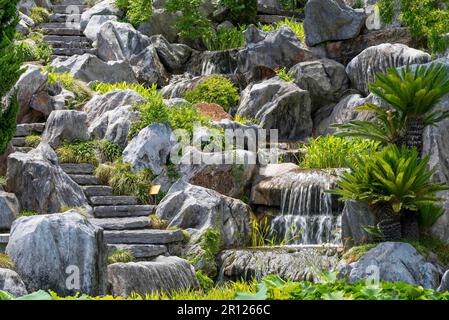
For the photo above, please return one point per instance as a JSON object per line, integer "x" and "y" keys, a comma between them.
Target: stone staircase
{"x": 126, "y": 224}
{"x": 24, "y": 130}
{"x": 63, "y": 31}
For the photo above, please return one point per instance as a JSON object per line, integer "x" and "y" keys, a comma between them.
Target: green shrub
{"x": 136, "y": 11}
{"x": 40, "y": 15}
{"x": 225, "y": 39}
{"x": 3, "y": 182}
{"x": 77, "y": 152}
{"x": 82, "y": 92}
{"x": 125, "y": 182}
{"x": 109, "y": 151}
{"x": 427, "y": 244}
{"x": 40, "y": 52}
{"x": 425, "y": 18}
{"x": 145, "y": 92}
{"x": 6, "y": 262}
{"x": 121, "y": 256}
{"x": 206, "y": 283}
{"x": 215, "y": 89}
{"x": 157, "y": 222}
{"x": 293, "y": 5}
{"x": 296, "y": 27}
{"x": 191, "y": 23}
{"x": 33, "y": 141}
{"x": 327, "y": 152}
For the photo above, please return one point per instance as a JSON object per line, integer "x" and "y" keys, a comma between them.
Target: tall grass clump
{"x": 328, "y": 152}
{"x": 225, "y": 39}
{"x": 296, "y": 27}
{"x": 144, "y": 91}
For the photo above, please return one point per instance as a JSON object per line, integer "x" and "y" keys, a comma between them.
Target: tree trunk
{"x": 414, "y": 134}
{"x": 410, "y": 225}
{"x": 387, "y": 221}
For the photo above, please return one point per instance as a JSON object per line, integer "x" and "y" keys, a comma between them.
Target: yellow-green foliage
{"x": 39, "y": 52}
{"x": 206, "y": 283}
{"x": 40, "y": 15}
{"x": 157, "y": 222}
{"x": 33, "y": 140}
{"x": 144, "y": 91}
{"x": 215, "y": 89}
{"x": 334, "y": 152}
{"x": 296, "y": 27}
{"x": 284, "y": 75}
{"x": 121, "y": 256}
{"x": 81, "y": 90}
{"x": 355, "y": 253}
{"x": 125, "y": 182}
{"x": 6, "y": 262}
{"x": 136, "y": 11}
{"x": 77, "y": 152}
{"x": 27, "y": 213}
{"x": 2, "y": 181}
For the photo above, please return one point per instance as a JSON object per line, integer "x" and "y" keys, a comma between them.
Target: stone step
{"x": 22, "y": 149}
{"x": 140, "y": 251}
{"x": 85, "y": 179}
{"x": 23, "y": 130}
{"x": 56, "y": 38}
{"x": 68, "y": 9}
{"x": 63, "y": 17}
{"x": 143, "y": 236}
{"x": 78, "y": 168}
{"x": 122, "y": 223}
{"x": 61, "y": 31}
{"x": 18, "y": 142}
{"x": 70, "y": 45}
{"x": 95, "y": 191}
{"x": 72, "y": 51}
{"x": 123, "y": 211}
{"x": 113, "y": 201}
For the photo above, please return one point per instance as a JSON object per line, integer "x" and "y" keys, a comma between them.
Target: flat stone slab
{"x": 62, "y": 31}
{"x": 143, "y": 236}
{"x": 123, "y": 211}
{"x": 84, "y": 179}
{"x": 18, "y": 142}
{"x": 23, "y": 130}
{"x": 93, "y": 191}
{"x": 122, "y": 223}
{"x": 140, "y": 251}
{"x": 78, "y": 168}
{"x": 113, "y": 200}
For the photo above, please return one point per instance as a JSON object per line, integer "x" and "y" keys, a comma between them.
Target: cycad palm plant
{"x": 411, "y": 96}
{"x": 392, "y": 182}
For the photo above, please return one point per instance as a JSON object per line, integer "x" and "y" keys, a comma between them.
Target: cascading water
{"x": 308, "y": 215}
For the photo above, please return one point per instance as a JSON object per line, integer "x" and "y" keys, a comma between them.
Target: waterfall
{"x": 308, "y": 214}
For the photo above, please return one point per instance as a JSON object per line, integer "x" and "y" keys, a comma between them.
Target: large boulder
{"x": 395, "y": 262}
{"x": 94, "y": 26}
{"x": 331, "y": 20}
{"x": 151, "y": 148}
{"x": 106, "y": 8}
{"x": 114, "y": 125}
{"x": 179, "y": 85}
{"x": 197, "y": 209}
{"x": 148, "y": 68}
{"x": 60, "y": 252}
{"x": 163, "y": 274}
{"x": 325, "y": 79}
{"x": 212, "y": 171}
{"x": 39, "y": 182}
{"x": 161, "y": 23}
{"x": 355, "y": 216}
{"x": 278, "y": 104}
{"x": 296, "y": 264}
{"x": 213, "y": 62}
{"x": 9, "y": 208}
{"x": 269, "y": 51}
{"x": 11, "y": 282}
{"x": 173, "y": 56}
{"x": 363, "y": 68}
{"x": 89, "y": 67}
{"x": 110, "y": 101}
{"x": 65, "y": 126}
{"x": 118, "y": 41}
{"x": 30, "y": 84}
